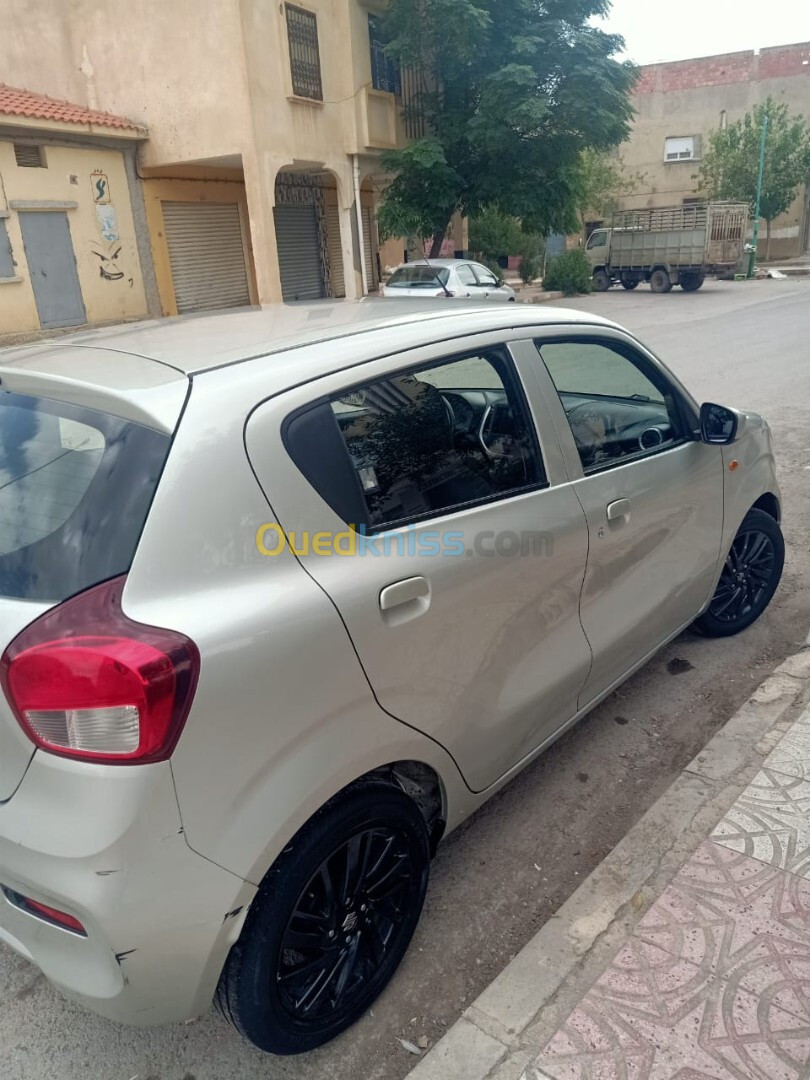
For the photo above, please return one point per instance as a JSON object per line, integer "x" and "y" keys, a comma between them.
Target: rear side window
{"x": 419, "y": 443}
{"x": 75, "y": 489}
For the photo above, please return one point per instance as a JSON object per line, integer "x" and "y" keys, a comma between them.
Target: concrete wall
{"x": 109, "y": 269}
{"x": 688, "y": 97}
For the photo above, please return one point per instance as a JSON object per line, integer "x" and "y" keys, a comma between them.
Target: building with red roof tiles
{"x": 73, "y": 234}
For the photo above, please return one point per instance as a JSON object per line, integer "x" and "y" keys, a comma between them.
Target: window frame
{"x": 302, "y": 89}
{"x": 692, "y": 154}
{"x": 685, "y": 409}
{"x": 512, "y": 384}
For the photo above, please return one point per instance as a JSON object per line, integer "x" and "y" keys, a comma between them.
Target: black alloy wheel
{"x": 749, "y": 577}
{"x": 331, "y": 922}
{"x": 345, "y": 922}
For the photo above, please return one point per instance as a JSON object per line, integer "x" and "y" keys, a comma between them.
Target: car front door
{"x": 467, "y": 280}
{"x": 488, "y": 284}
{"x": 459, "y": 583}
{"x": 652, "y": 494}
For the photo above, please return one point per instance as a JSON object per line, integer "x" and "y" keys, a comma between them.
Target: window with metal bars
{"x": 305, "y": 57}
{"x": 385, "y": 74}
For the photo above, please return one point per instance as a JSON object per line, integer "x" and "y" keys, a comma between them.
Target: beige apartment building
{"x": 677, "y": 106}
{"x": 265, "y": 120}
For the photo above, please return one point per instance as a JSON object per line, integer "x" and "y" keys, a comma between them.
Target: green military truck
{"x": 669, "y": 245}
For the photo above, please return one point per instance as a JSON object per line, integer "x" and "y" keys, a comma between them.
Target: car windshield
{"x": 419, "y": 276}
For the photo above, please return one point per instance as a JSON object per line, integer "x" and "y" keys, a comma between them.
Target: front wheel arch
{"x": 769, "y": 504}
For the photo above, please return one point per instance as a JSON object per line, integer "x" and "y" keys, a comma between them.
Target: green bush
{"x": 493, "y": 234}
{"x": 530, "y": 250}
{"x": 569, "y": 273}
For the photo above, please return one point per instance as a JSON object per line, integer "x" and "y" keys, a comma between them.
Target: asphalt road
{"x": 498, "y": 878}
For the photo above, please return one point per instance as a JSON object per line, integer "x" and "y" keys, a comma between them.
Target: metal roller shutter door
{"x": 299, "y": 256}
{"x": 206, "y": 254}
{"x": 335, "y": 251}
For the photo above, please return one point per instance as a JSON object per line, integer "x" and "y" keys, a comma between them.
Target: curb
{"x": 551, "y": 973}
{"x": 540, "y": 297}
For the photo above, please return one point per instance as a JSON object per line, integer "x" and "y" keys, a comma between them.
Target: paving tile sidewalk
{"x": 685, "y": 956}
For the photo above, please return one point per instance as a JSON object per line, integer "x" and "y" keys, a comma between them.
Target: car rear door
{"x": 459, "y": 585}
{"x": 651, "y": 491}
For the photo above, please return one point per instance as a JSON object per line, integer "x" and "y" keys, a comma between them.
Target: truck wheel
{"x": 691, "y": 282}
{"x": 630, "y": 283}
{"x": 601, "y": 281}
{"x": 660, "y": 281}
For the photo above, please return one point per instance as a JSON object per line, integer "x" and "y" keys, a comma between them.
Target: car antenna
{"x": 436, "y": 275}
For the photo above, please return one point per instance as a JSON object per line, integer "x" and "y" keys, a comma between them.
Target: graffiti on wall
{"x": 100, "y": 186}
{"x": 107, "y": 253}
{"x": 108, "y": 250}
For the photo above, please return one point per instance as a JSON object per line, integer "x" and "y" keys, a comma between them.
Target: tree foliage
{"x": 600, "y": 181}
{"x": 730, "y": 162}
{"x": 509, "y": 94}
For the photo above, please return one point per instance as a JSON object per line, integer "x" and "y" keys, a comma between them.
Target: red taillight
{"x": 87, "y": 682}
{"x": 52, "y": 915}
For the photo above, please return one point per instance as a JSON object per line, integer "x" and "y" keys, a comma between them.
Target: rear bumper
{"x": 106, "y": 845}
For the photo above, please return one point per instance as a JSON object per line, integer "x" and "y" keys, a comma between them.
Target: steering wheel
{"x": 589, "y": 430}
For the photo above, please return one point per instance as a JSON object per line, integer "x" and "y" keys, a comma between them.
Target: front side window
{"x": 424, "y": 442}
{"x": 618, "y": 406}
{"x": 466, "y": 276}
{"x": 305, "y": 58}
{"x": 486, "y": 277}
{"x": 597, "y": 238}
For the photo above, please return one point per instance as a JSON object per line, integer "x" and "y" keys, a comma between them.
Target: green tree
{"x": 731, "y": 161}
{"x": 509, "y": 95}
{"x": 600, "y": 181}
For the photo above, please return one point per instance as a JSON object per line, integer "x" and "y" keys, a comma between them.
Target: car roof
{"x": 192, "y": 344}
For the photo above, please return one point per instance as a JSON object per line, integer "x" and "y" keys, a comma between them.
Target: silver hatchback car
{"x": 288, "y": 594}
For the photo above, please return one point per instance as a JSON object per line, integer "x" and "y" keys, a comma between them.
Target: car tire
{"x": 749, "y": 579}
{"x": 601, "y": 281}
{"x": 310, "y": 959}
{"x": 660, "y": 281}
{"x": 630, "y": 283}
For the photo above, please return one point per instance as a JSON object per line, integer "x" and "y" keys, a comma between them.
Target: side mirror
{"x": 718, "y": 424}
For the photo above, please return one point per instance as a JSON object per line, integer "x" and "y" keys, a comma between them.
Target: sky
{"x": 655, "y": 30}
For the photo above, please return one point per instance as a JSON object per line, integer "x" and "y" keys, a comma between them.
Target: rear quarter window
{"x": 75, "y": 489}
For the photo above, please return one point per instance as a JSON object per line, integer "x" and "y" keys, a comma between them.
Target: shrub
{"x": 530, "y": 251}
{"x": 569, "y": 273}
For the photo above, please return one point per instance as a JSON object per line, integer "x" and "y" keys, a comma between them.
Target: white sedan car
{"x": 448, "y": 278}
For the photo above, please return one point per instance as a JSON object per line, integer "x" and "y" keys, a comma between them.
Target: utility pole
{"x": 752, "y": 258}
